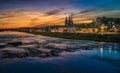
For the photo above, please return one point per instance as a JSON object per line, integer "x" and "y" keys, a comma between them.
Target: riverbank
{"x": 115, "y": 38}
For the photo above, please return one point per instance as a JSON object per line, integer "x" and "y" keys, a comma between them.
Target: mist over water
{"x": 22, "y": 52}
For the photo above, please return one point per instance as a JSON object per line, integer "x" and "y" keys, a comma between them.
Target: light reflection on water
{"x": 101, "y": 55}
{"x": 101, "y": 51}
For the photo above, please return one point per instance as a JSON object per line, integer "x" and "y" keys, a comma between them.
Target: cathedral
{"x": 69, "y": 21}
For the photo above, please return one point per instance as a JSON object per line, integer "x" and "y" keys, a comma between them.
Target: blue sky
{"x": 60, "y": 3}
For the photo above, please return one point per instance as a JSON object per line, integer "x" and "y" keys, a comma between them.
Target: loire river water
{"x": 28, "y": 53}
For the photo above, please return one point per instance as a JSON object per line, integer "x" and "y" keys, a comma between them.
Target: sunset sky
{"x": 28, "y": 13}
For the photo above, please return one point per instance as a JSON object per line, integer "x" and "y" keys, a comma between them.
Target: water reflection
{"x": 21, "y": 47}
{"x": 109, "y": 51}
{"x": 25, "y": 44}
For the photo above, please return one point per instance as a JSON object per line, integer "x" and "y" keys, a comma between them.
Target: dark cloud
{"x": 92, "y": 11}
{"x": 6, "y": 15}
{"x": 83, "y": 19}
{"x": 34, "y": 19}
{"x": 6, "y": 23}
{"x": 54, "y": 12}
{"x": 11, "y": 13}
{"x": 88, "y": 10}
{"x": 34, "y": 22}
{"x": 3, "y": 17}
{"x": 37, "y": 0}
{"x": 34, "y": 1}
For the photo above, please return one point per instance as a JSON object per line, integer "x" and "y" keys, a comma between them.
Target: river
{"x": 28, "y": 53}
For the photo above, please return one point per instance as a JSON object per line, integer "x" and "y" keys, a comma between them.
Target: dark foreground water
{"x": 28, "y": 53}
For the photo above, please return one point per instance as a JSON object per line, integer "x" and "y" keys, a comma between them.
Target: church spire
{"x": 66, "y": 21}
{"x": 69, "y": 20}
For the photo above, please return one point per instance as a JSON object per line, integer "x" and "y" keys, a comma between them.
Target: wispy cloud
{"x": 6, "y": 23}
{"x": 87, "y": 10}
{"x": 11, "y": 13}
{"x": 34, "y": 22}
{"x": 54, "y": 12}
{"x": 93, "y": 12}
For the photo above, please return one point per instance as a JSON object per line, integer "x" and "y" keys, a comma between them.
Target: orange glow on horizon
{"x": 40, "y": 23}
{"x": 35, "y": 18}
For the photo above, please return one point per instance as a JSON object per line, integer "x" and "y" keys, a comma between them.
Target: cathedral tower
{"x": 69, "y": 21}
